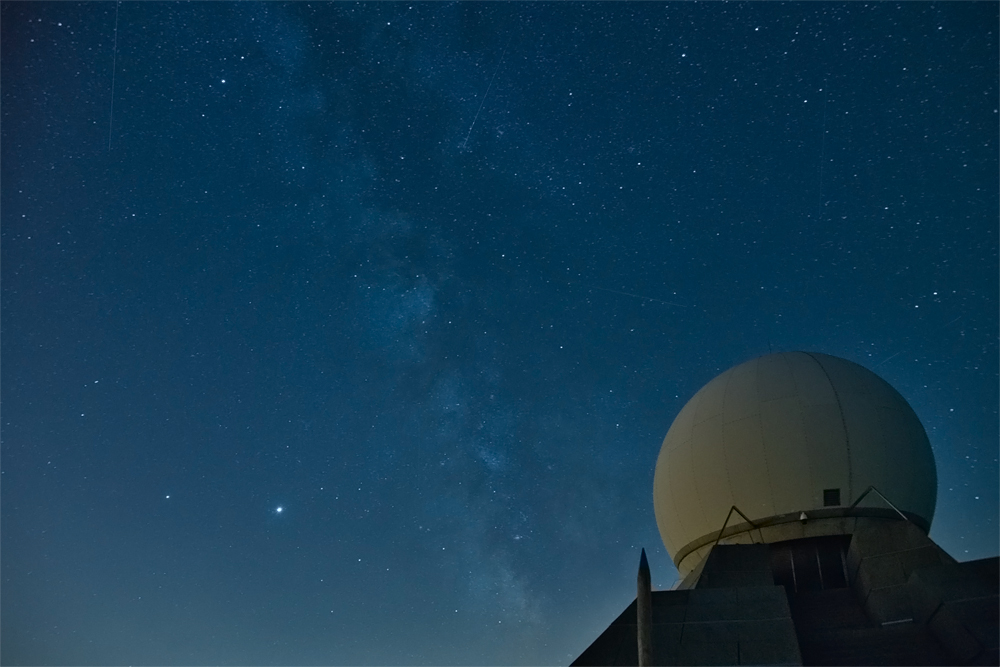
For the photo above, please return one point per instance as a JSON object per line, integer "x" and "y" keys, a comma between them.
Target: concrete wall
{"x": 735, "y": 616}
{"x": 908, "y": 602}
{"x": 960, "y": 606}
{"x": 880, "y": 560}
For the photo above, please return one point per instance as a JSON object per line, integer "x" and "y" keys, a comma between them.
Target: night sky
{"x": 349, "y": 333}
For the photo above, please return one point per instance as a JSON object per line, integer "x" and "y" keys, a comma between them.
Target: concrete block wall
{"x": 734, "y": 614}
{"x": 882, "y": 556}
{"x": 908, "y": 602}
{"x": 960, "y": 605}
{"x": 737, "y": 565}
{"x": 714, "y": 626}
{"x": 724, "y": 626}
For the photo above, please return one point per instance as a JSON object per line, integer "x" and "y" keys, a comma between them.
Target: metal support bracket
{"x": 736, "y": 509}
{"x": 887, "y": 502}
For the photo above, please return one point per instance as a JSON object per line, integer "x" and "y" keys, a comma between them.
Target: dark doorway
{"x": 811, "y": 564}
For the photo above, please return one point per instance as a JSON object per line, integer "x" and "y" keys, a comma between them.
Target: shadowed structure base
{"x": 886, "y": 595}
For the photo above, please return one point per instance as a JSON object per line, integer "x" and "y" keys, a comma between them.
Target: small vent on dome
{"x": 831, "y": 497}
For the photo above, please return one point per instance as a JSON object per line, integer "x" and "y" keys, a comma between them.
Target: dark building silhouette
{"x": 751, "y": 493}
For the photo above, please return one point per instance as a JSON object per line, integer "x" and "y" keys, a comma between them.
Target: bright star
{"x": 279, "y": 509}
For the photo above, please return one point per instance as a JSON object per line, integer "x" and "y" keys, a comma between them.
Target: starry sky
{"x": 349, "y": 333}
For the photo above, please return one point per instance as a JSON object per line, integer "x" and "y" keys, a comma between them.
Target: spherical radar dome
{"x": 787, "y": 433}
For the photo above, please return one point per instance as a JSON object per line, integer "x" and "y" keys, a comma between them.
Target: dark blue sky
{"x": 435, "y": 279}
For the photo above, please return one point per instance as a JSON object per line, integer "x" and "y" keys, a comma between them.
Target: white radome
{"x": 772, "y": 434}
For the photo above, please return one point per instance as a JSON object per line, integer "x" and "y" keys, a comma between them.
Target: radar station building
{"x": 795, "y": 493}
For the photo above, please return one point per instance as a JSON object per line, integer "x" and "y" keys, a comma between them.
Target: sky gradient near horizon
{"x": 349, "y": 333}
